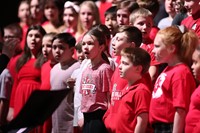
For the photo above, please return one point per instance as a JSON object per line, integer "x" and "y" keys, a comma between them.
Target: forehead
{"x": 196, "y": 55}
{"x": 88, "y": 37}
{"x": 122, "y": 11}
{"x": 85, "y": 8}
{"x": 121, "y": 34}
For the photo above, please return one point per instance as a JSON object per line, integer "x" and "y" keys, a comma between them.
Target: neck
{"x": 67, "y": 62}
{"x": 133, "y": 80}
{"x": 174, "y": 61}
{"x": 96, "y": 61}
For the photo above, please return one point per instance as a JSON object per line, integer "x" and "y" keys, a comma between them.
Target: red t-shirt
{"x": 134, "y": 101}
{"x": 45, "y": 76}
{"x": 117, "y": 85}
{"x": 172, "y": 90}
{"x": 193, "y": 116}
{"x": 192, "y": 23}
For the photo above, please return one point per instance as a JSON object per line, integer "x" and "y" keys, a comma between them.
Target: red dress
{"x": 28, "y": 80}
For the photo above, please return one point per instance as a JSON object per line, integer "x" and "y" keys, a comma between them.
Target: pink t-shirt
{"x": 95, "y": 85}
{"x": 172, "y": 90}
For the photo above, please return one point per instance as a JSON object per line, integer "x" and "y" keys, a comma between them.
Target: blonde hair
{"x": 140, "y": 12}
{"x": 95, "y": 12}
{"x": 185, "y": 41}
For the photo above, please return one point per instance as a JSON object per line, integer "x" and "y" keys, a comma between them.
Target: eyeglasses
{"x": 10, "y": 37}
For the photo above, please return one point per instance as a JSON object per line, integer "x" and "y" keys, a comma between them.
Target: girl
{"x": 28, "y": 70}
{"x": 70, "y": 17}
{"x": 45, "y": 74}
{"x": 88, "y": 16}
{"x": 36, "y": 12}
{"x": 95, "y": 82}
{"x": 53, "y": 10}
{"x": 192, "y": 119}
{"x": 174, "y": 86}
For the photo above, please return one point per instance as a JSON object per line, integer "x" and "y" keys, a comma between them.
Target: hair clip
{"x": 71, "y": 4}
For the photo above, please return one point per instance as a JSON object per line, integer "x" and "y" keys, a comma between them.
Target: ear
{"x": 172, "y": 48}
{"x": 102, "y": 47}
{"x": 132, "y": 45}
{"x": 139, "y": 69}
{"x": 72, "y": 50}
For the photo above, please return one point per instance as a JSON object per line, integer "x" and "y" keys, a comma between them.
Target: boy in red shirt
{"x": 135, "y": 99}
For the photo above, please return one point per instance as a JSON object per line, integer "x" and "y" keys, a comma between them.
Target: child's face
{"x": 122, "y": 17}
{"x": 51, "y": 12}
{"x": 91, "y": 47}
{"x": 86, "y": 17}
{"x": 169, "y": 7}
{"x": 196, "y": 65}
{"x": 192, "y": 6}
{"x": 61, "y": 51}
{"x": 36, "y": 11}
{"x": 69, "y": 17}
{"x": 34, "y": 40}
{"x": 119, "y": 43}
{"x": 144, "y": 24}
{"x": 126, "y": 68}
{"x": 80, "y": 56}
{"x": 23, "y": 12}
{"x": 111, "y": 22}
{"x": 47, "y": 47}
{"x": 161, "y": 51}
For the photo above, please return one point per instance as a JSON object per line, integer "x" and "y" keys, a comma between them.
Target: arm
{"x": 179, "y": 120}
{"x": 4, "y": 104}
{"x": 142, "y": 121}
{"x": 152, "y": 72}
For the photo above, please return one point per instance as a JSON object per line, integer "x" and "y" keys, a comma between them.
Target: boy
{"x": 128, "y": 36}
{"x": 193, "y": 20}
{"x": 62, "y": 49}
{"x": 110, "y": 20}
{"x": 142, "y": 19}
{"x": 135, "y": 98}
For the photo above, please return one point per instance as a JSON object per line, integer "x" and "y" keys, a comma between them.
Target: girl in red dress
{"x": 28, "y": 69}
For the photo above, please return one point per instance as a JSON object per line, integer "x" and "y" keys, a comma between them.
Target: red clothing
{"x": 149, "y": 49}
{"x": 193, "y": 116}
{"x": 12, "y": 65}
{"x": 102, "y": 9}
{"x": 24, "y": 29}
{"x": 134, "y": 101}
{"x": 117, "y": 85}
{"x": 154, "y": 31}
{"x": 28, "y": 80}
{"x": 172, "y": 89}
{"x": 45, "y": 76}
{"x": 193, "y": 23}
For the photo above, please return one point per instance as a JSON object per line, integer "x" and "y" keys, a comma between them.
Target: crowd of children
{"x": 124, "y": 72}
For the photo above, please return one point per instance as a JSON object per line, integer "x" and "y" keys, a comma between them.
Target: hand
{"x": 80, "y": 123}
{"x": 71, "y": 82}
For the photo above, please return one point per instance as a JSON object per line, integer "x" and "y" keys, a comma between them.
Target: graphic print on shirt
{"x": 87, "y": 86}
{"x": 157, "y": 92}
{"x": 116, "y": 94}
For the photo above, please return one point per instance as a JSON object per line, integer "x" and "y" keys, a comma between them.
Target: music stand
{"x": 39, "y": 107}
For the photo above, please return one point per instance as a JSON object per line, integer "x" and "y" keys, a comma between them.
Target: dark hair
{"x": 27, "y": 53}
{"x": 138, "y": 56}
{"x": 16, "y": 29}
{"x": 111, "y": 11}
{"x": 66, "y": 38}
{"x": 78, "y": 47}
{"x": 99, "y": 35}
{"x": 133, "y": 34}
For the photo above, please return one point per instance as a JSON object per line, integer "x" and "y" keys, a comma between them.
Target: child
{"x": 124, "y": 9}
{"x": 193, "y": 19}
{"x": 142, "y": 19}
{"x": 70, "y": 17}
{"x": 88, "y": 16}
{"x": 76, "y": 77}
{"x": 53, "y": 11}
{"x": 134, "y": 103}
{"x": 95, "y": 82}
{"x": 128, "y": 36}
{"x": 192, "y": 119}
{"x": 174, "y": 86}
{"x": 110, "y": 20}
{"x": 62, "y": 48}
{"x": 28, "y": 69}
